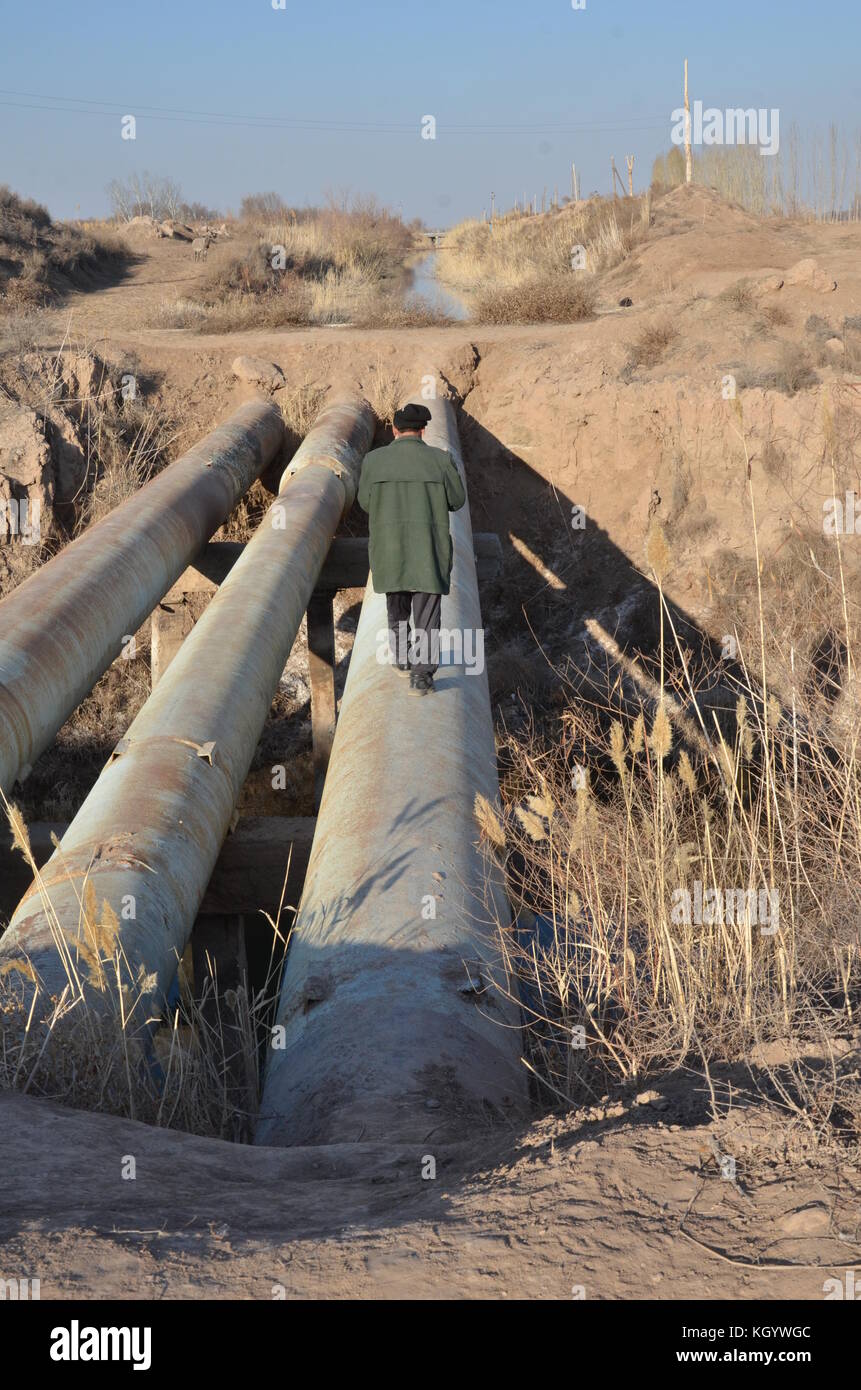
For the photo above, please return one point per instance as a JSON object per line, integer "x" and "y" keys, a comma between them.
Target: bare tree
{"x": 149, "y": 194}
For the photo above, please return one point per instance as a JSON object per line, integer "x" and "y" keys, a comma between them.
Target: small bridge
{"x": 436, "y": 236}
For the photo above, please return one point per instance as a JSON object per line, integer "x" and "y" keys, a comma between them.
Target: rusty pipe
{"x": 337, "y": 441}
{"x": 62, "y": 628}
{"x": 147, "y": 837}
{"x": 395, "y": 1016}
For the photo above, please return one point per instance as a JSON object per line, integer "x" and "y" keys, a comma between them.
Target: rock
{"x": 85, "y": 378}
{"x": 258, "y": 373}
{"x": 177, "y": 230}
{"x": 68, "y": 457}
{"x": 459, "y": 370}
{"x": 626, "y": 303}
{"x": 808, "y": 275}
{"x": 813, "y": 1219}
{"x": 26, "y": 469}
{"x": 653, "y": 1098}
{"x": 769, "y": 284}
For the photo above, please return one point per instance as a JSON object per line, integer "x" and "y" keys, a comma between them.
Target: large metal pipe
{"x": 390, "y": 1021}
{"x": 147, "y": 837}
{"x": 64, "y": 626}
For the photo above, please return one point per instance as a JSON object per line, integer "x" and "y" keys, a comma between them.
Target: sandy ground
{"x": 627, "y": 1201}
{"x": 629, "y": 1206}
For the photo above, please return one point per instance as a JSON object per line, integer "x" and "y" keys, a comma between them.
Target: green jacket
{"x": 408, "y": 489}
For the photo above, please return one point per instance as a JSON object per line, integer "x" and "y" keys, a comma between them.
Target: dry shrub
{"x": 775, "y": 316}
{"x": 541, "y": 300}
{"x": 389, "y": 311}
{"x": 648, "y": 349}
{"x": 819, "y": 327}
{"x": 738, "y": 296}
{"x": 794, "y": 370}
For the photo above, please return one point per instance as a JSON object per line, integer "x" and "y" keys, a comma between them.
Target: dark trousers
{"x": 422, "y": 655}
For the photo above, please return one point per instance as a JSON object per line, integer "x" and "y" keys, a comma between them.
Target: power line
{"x": 87, "y": 105}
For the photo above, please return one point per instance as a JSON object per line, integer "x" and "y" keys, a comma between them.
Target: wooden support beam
{"x": 248, "y": 877}
{"x": 171, "y": 624}
{"x": 321, "y": 664}
{"x": 346, "y": 565}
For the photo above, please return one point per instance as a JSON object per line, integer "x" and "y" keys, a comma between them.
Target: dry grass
{"x": 521, "y": 248}
{"x": 792, "y": 372}
{"x": 526, "y": 268}
{"x": 333, "y": 265}
{"x": 300, "y": 406}
{"x": 125, "y": 455}
{"x": 105, "y": 1044}
{"x": 40, "y": 260}
{"x": 723, "y": 782}
{"x": 384, "y": 390}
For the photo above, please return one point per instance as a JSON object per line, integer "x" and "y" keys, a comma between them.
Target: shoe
{"x": 421, "y": 685}
{"x": 399, "y": 670}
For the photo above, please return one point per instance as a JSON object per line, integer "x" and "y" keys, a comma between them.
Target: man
{"x": 408, "y": 489}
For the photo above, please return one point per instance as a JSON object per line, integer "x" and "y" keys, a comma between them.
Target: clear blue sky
{"x": 372, "y": 70}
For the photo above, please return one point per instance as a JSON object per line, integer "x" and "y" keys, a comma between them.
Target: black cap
{"x": 412, "y": 417}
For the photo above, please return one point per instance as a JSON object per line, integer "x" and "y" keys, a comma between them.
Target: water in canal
{"x": 424, "y": 285}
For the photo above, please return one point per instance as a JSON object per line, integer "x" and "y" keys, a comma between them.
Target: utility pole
{"x": 689, "y": 162}
{"x": 629, "y": 160}
{"x": 492, "y": 196}
{"x": 544, "y": 199}
{"x": 575, "y": 191}
{"x": 556, "y": 196}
